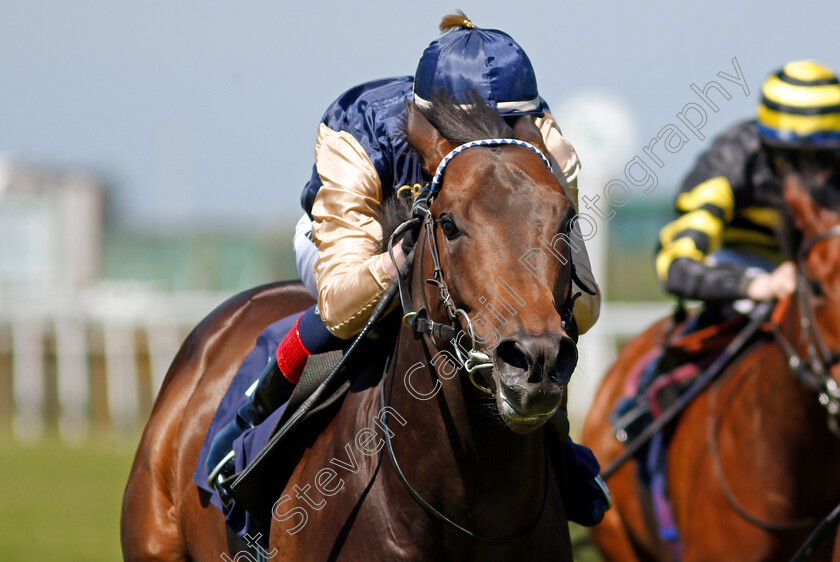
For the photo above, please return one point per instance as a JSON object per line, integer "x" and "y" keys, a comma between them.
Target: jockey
{"x": 362, "y": 158}
{"x": 724, "y": 245}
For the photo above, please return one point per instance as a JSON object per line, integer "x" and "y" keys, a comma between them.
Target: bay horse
{"x": 752, "y": 462}
{"x": 471, "y": 448}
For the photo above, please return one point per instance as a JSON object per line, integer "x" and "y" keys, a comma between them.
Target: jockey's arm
{"x": 686, "y": 242}
{"x": 351, "y": 273}
{"x": 566, "y": 166}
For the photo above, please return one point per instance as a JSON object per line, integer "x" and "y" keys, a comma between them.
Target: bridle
{"x": 815, "y": 369}
{"x": 471, "y": 361}
{"x": 474, "y": 360}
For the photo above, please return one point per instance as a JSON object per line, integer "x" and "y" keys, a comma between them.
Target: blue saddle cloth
{"x": 252, "y": 441}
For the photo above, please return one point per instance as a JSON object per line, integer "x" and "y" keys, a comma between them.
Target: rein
{"x": 757, "y": 319}
{"x": 418, "y": 321}
{"x": 729, "y": 494}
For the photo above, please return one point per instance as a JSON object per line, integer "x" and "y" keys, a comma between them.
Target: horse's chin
{"x": 518, "y": 422}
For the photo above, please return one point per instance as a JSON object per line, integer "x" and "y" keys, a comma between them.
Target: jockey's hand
{"x": 777, "y": 284}
{"x": 399, "y": 256}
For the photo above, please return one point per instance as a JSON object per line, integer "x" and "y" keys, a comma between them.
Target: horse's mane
{"x": 395, "y": 211}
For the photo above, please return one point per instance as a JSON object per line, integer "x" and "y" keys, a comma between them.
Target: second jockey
{"x": 724, "y": 247}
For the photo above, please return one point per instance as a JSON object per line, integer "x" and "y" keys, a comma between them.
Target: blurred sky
{"x": 205, "y": 112}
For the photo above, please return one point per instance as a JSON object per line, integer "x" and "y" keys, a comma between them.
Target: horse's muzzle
{"x": 531, "y": 375}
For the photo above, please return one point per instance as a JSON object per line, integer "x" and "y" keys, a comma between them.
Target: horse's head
{"x": 813, "y": 214}
{"x": 499, "y": 212}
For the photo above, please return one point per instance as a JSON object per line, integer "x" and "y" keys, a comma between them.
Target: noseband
{"x": 814, "y": 370}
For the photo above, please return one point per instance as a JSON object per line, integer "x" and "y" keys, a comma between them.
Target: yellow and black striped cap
{"x": 800, "y": 107}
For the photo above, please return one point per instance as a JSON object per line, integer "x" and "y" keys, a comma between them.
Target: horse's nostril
{"x": 509, "y": 353}
{"x": 541, "y": 359}
{"x": 566, "y": 359}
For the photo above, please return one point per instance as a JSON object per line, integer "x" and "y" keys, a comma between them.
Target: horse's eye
{"x": 450, "y": 229}
{"x": 568, "y": 222}
{"x": 567, "y": 227}
{"x": 816, "y": 288}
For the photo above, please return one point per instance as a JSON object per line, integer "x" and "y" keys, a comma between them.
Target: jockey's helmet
{"x": 468, "y": 59}
{"x": 800, "y": 108}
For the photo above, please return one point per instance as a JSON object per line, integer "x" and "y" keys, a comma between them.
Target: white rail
{"x": 58, "y": 339}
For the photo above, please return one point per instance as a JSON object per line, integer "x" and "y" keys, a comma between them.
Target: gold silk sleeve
{"x": 566, "y": 166}
{"x": 346, "y": 226}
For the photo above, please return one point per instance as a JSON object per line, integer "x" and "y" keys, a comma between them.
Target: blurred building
{"x": 51, "y": 224}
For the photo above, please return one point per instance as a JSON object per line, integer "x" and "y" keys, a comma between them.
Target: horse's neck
{"x": 457, "y": 453}
{"x": 793, "y": 422}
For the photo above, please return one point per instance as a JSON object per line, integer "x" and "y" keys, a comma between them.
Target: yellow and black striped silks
{"x": 800, "y": 107}
{"x": 710, "y": 221}
{"x": 728, "y": 201}
{"x": 699, "y": 229}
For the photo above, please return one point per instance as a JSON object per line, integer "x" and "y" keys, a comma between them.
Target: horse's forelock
{"x": 474, "y": 120}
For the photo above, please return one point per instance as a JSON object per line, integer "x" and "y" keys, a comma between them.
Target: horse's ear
{"x": 525, "y": 129}
{"x": 423, "y": 136}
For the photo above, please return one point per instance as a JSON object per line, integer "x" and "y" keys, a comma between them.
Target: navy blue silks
{"x": 585, "y": 502}
{"x": 487, "y": 61}
{"x": 317, "y": 339}
{"x": 250, "y": 443}
{"x": 374, "y": 114}
{"x": 315, "y": 336}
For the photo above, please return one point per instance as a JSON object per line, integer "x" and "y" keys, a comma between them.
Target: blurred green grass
{"x": 60, "y": 502}
{"x": 583, "y": 548}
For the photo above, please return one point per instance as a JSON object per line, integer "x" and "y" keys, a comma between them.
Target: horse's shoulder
{"x": 239, "y": 319}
